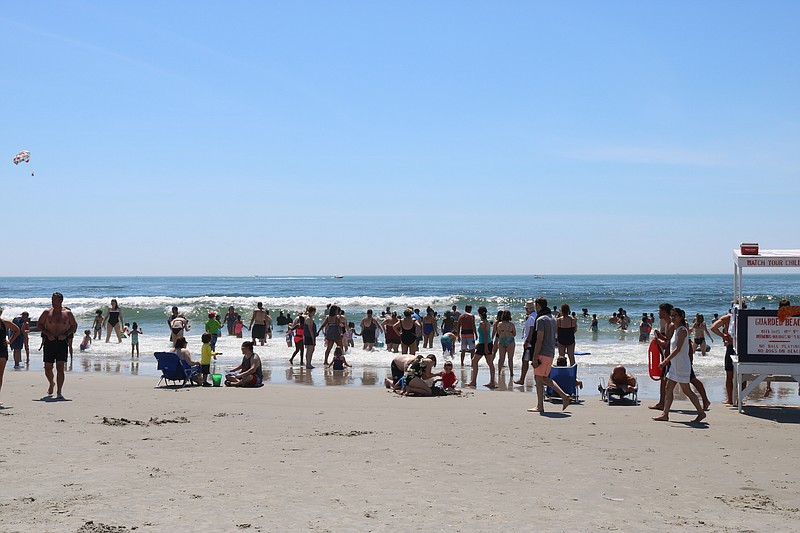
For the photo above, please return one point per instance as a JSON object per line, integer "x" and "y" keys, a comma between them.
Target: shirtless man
{"x": 621, "y": 380}
{"x": 56, "y": 325}
{"x": 259, "y": 318}
{"x": 466, "y": 329}
{"x": 399, "y": 365}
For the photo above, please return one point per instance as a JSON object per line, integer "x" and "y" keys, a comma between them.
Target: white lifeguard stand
{"x": 766, "y": 347}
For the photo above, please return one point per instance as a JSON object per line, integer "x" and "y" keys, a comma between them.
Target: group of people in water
{"x": 548, "y": 338}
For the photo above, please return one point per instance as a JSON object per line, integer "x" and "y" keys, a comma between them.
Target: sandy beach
{"x": 122, "y": 455}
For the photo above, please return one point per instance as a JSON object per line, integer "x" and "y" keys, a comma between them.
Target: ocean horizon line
{"x": 761, "y": 272}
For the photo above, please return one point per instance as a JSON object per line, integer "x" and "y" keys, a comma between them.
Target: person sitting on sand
{"x": 420, "y": 379}
{"x": 248, "y": 373}
{"x": 184, "y": 354}
{"x": 339, "y": 362}
{"x": 449, "y": 379}
{"x": 621, "y": 380}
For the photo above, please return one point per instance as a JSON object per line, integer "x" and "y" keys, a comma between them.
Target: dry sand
{"x": 123, "y": 456}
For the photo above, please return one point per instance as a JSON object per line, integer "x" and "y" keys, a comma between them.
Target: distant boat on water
{"x": 338, "y": 277}
{"x": 538, "y": 277}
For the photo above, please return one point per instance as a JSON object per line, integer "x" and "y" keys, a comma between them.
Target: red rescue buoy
{"x": 653, "y": 360}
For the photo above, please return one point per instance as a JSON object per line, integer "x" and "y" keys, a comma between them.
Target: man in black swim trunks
{"x": 56, "y": 325}
{"x": 258, "y": 324}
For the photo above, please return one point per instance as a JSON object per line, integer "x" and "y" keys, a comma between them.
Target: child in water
{"x": 238, "y": 326}
{"x": 87, "y": 340}
{"x": 98, "y": 323}
{"x": 339, "y": 362}
{"x": 135, "y": 331}
{"x": 351, "y": 331}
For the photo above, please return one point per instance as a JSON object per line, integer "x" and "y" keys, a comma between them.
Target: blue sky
{"x": 463, "y": 137}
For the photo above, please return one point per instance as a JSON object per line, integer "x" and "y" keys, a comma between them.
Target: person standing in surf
{"x": 258, "y": 324}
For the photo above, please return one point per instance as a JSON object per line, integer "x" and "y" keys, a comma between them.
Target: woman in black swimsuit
{"x": 407, "y": 328}
{"x": 566, "y": 326}
{"x": 368, "y": 331}
{"x": 113, "y": 320}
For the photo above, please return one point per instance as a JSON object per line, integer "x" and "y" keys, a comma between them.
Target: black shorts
{"x": 55, "y": 351}
{"x": 479, "y": 349}
{"x": 259, "y": 331}
{"x": 205, "y": 369}
{"x": 396, "y": 373}
{"x": 729, "y": 351}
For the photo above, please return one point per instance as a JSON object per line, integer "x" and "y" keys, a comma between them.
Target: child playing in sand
{"x": 448, "y": 341}
{"x": 206, "y": 353}
{"x": 87, "y": 340}
{"x": 135, "y": 332}
{"x": 339, "y": 362}
{"x": 449, "y": 379}
{"x": 98, "y": 323}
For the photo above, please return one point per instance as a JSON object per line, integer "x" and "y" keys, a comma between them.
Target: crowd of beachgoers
{"x": 547, "y": 340}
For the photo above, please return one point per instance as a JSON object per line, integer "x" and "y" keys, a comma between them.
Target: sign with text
{"x": 762, "y": 337}
{"x": 756, "y": 261}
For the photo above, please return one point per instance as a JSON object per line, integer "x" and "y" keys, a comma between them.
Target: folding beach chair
{"x": 567, "y": 378}
{"x": 616, "y": 395}
{"x": 174, "y": 369}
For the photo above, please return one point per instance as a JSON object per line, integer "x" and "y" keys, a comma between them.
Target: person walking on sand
{"x": 662, "y": 336}
{"x": 529, "y": 340}
{"x": 56, "y": 324}
{"x": 483, "y": 350}
{"x": 5, "y": 327}
{"x": 544, "y": 350}
{"x": 258, "y": 324}
{"x": 466, "y": 332}
{"x": 680, "y": 367}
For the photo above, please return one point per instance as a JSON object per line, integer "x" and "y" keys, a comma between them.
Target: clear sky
{"x": 441, "y": 137}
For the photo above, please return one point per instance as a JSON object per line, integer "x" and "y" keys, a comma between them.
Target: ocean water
{"x": 147, "y": 301}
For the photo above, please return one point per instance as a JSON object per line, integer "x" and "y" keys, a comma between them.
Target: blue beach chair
{"x": 566, "y": 377}
{"x": 174, "y": 369}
